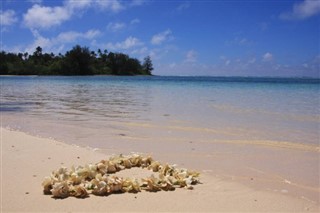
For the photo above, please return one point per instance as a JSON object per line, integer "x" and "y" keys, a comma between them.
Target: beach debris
{"x": 81, "y": 181}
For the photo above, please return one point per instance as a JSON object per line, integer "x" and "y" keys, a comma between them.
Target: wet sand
{"x": 236, "y": 176}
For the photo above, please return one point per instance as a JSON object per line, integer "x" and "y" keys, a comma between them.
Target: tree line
{"x": 77, "y": 61}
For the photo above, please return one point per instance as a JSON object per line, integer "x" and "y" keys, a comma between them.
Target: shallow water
{"x": 219, "y": 108}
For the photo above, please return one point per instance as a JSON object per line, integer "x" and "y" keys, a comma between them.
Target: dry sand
{"x": 26, "y": 160}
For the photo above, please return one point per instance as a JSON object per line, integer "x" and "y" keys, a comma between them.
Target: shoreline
{"x": 27, "y": 159}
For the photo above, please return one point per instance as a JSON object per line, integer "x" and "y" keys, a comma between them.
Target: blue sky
{"x": 213, "y": 38}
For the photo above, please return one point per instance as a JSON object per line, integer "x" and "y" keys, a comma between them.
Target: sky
{"x": 278, "y": 38}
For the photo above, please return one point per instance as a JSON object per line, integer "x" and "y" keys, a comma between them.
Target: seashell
{"x": 130, "y": 185}
{"x": 60, "y": 190}
{"x": 75, "y": 179}
{"x": 167, "y": 186}
{"x": 79, "y": 192}
{"x": 47, "y": 185}
{"x": 92, "y": 170}
{"x": 89, "y": 185}
{"x": 172, "y": 180}
{"x": 166, "y": 170}
{"x": 193, "y": 173}
{"x": 102, "y": 168}
{"x": 83, "y": 172}
{"x": 151, "y": 184}
{"x": 100, "y": 189}
{"x": 61, "y": 174}
{"x": 146, "y": 161}
{"x": 181, "y": 175}
{"x": 87, "y": 172}
{"x": 62, "y": 170}
{"x": 111, "y": 168}
{"x": 115, "y": 184}
{"x": 98, "y": 177}
{"x": 127, "y": 164}
{"x": 154, "y": 166}
{"x": 135, "y": 160}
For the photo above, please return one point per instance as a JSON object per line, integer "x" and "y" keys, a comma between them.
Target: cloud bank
{"x": 8, "y": 17}
{"x": 302, "y": 10}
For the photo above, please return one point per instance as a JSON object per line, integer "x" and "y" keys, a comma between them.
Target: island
{"x": 77, "y": 61}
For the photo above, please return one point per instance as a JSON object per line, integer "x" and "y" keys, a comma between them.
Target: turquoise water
{"x": 210, "y": 107}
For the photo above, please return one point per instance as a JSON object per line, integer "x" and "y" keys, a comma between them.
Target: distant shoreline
{"x": 293, "y": 79}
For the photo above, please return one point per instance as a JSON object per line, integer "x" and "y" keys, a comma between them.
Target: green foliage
{"x": 78, "y": 61}
{"x": 147, "y": 66}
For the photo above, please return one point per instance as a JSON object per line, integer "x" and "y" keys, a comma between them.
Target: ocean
{"x": 92, "y": 110}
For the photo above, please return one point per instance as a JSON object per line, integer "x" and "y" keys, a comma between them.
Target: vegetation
{"x": 78, "y": 61}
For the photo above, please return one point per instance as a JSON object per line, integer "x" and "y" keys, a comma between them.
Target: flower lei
{"x": 95, "y": 179}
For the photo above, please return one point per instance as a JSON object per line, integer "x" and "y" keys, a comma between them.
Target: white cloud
{"x": 113, "y": 5}
{"x": 116, "y": 26}
{"x": 161, "y": 37}
{"x": 191, "y": 56}
{"x": 56, "y": 44}
{"x": 267, "y": 57}
{"x": 302, "y": 10}
{"x": 73, "y": 36}
{"x": 35, "y": 1}
{"x": 39, "y": 40}
{"x": 140, "y": 51}
{"x": 183, "y": 6}
{"x": 130, "y": 42}
{"x": 76, "y": 4}
{"x": 239, "y": 41}
{"x": 68, "y": 36}
{"x": 45, "y": 17}
{"x": 90, "y": 34}
{"x": 135, "y": 21}
{"x": 8, "y": 17}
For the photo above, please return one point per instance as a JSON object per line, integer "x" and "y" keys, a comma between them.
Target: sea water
{"x": 90, "y": 110}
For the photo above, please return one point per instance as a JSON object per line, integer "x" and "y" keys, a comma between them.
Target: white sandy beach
{"x": 26, "y": 160}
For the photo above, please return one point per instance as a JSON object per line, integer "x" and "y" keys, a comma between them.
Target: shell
{"x": 167, "y": 186}
{"x": 127, "y": 163}
{"x": 146, "y": 161}
{"x": 111, "y": 168}
{"x": 75, "y": 179}
{"x": 60, "y": 190}
{"x": 47, "y": 185}
{"x": 131, "y": 185}
{"x": 154, "y": 166}
{"x": 115, "y": 184}
{"x": 102, "y": 168}
{"x": 79, "y": 192}
{"x": 151, "y": 184}
{"x": 100, "y": 189}
{"x": 135, "y": 160}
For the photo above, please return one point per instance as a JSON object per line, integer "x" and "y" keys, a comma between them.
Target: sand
{"x": 26, "y": 160}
